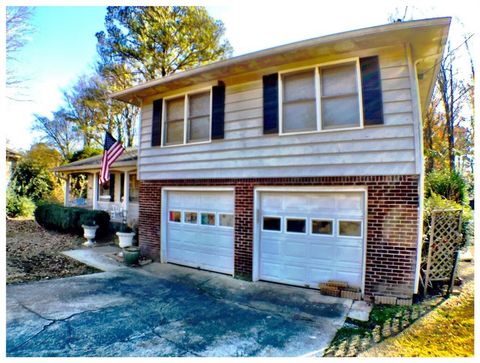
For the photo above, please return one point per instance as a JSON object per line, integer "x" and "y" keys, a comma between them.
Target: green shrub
{"x": 437, "y": 202}
{"x": 449, "y": 185}
{"x": 19, "y": 206}
{"x": 32, "y": 180}
{"x": 70, "y": 220}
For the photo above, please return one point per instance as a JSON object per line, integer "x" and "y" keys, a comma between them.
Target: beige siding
{"x": 245, "y": 152}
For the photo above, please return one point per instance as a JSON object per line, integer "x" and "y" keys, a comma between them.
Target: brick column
{"x": 243, "y": 230}
{"x": 149, "y": 219}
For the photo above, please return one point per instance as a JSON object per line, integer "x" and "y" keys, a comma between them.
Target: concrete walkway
{"x": 167, "y": 310}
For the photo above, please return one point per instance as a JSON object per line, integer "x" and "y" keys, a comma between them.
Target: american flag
{"x": 111, "y": 151}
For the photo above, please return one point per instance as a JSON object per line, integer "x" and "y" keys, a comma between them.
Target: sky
{"x": 63, "y": 44}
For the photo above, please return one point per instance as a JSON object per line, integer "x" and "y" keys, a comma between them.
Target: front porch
{"x": 118, "y": 196}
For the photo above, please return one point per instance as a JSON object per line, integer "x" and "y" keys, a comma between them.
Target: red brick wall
{"x": 391, "y": 226}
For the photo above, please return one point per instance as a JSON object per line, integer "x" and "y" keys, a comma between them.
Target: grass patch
{"x": 385, "y": 321}
{"x": 446, "y": 332}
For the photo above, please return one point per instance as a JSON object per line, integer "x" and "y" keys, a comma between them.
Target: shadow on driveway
{"x": 181, "y": 312}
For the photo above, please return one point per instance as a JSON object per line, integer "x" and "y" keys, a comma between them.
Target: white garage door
{"x": 307, "y": 238}
{"x": 200, "y": 229}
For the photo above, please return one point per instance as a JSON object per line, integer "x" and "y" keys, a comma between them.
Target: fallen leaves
{"x": 448, "y": 331}
{"x": 33, "y": 253}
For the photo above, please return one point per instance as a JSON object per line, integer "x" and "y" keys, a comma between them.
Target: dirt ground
{"x": 34, "y": 253}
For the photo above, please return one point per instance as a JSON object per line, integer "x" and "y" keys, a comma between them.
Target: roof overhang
{"x": 126, "y": 161}
{"x": 426, "y": 37}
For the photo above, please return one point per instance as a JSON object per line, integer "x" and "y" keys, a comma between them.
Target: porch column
{"x": 66, "y": 197}
{"x": 95, "y": 190}
{"x": 126, "y": 194}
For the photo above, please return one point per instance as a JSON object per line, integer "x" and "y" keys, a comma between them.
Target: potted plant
{"x": 131, "y": 255}
{"x": 89, "y": 231}
{"x": 125, "y": 236}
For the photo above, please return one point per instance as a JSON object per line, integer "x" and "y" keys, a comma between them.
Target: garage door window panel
{"x": 225, "y": 220}
{"x": 175, "y": 216}
{"x": 272, "y": 224}
{"x": 191, "y": 217}
{"x": 323, "y": 227}
{"x": 296, "y": 225}
{"x": 207, "y": 219}
{"x": 350, "y": 228}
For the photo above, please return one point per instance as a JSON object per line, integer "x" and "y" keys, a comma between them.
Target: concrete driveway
{"x": 168, "y": 311}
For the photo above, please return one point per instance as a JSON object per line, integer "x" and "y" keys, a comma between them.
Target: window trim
{"x": 185, "y": 117}
{"x": 332, "y": 235}
{"x": 286, "y": 218}
{"x": 318, "y": 96}
{"x": 349, "y": 220}
{"x": 271, "y": 230}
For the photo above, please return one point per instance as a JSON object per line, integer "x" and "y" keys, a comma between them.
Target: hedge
{"x": 69, "y": 219}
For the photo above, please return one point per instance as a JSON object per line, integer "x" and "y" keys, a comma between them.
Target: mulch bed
{"x": 33, "y": 253}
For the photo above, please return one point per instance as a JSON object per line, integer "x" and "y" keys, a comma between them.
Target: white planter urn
{"x": 89, "y": 233}
{"x": 125, "y": 239}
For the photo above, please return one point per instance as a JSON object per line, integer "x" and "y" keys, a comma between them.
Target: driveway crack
{"x": 46, "y": 326}
{"x": 152, "y": 329}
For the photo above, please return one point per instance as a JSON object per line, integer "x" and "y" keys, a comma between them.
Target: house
{"x": 296, "y": 164}
{"x": 119, "y": 196}
{"x": 12, "y": 158}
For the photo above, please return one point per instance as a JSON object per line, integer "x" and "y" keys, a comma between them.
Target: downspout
{"x": 420, "y": 167}
{"x": 421, "y": 184}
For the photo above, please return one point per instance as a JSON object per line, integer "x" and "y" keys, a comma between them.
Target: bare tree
{"x": 453, "y": 93}
{"x": 18, "y": 31}
{"x": 58, "y": 131}
{"x": 429, "y": 123}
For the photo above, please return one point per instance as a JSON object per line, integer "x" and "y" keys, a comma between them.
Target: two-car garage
{"x": 302, "y": 236}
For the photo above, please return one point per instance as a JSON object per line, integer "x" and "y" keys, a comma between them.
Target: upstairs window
{"x": 299, "y": 102}
{"x": 339, "y": 102}
{"x": 321, "y": 98}
{"x": 174, "y": 121}
{"x": 187, "y": 119}
{"x": 199, "y": 117}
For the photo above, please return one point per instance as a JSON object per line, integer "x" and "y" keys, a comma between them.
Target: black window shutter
{"x": 371, "y": 91}
{"x": 218, "y": 111}
{"x": 157, "y": 123}
{"x": 112, "y": 187}
{"x": 270, "y": 104}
